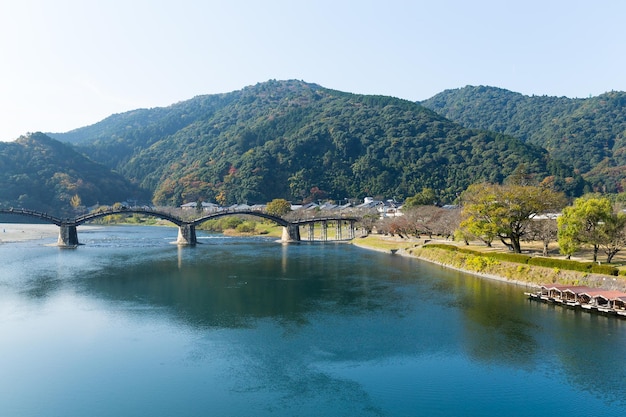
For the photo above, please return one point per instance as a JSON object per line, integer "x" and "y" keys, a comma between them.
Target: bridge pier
{"x": 338, "y": 230}
{"x": 324, "y": 230}
{"x": 68, "y": 236}
{"x": 186, "y": 235}
{"x": 291, "y": 233}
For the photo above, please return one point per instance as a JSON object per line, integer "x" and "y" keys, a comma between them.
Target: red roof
{"x": 591, "y": 292}
{"x": 572, "y": 288}
{"x": 608, "y": 294}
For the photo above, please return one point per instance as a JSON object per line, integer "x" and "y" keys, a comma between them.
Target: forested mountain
{"x": 295, "y": 140}
{"x": 589, "y": 133}
{"x": 40, "y": 173}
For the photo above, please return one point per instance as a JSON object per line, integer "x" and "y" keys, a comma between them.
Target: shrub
{"x": 231, "y": 222}
{"x": 604, "y": 269}
{"x": 479, "y": 263}
{"x": 221, "y": 224}
{"x": 246, "y": 227}
{"x": 441, "y": 246}
{"x": 511, "y": 257}
{"x": 561, "y": 264}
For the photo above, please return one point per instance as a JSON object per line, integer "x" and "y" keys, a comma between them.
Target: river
{"x": 131, "y": 325}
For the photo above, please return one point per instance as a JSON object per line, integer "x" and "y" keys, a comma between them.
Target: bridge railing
{"x": 33, "y": 213}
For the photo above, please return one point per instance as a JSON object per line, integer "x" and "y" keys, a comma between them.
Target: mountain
{"x": 295, "y": 140}
{"x": 589, "y": 133}
{"x": 40, "y": 173}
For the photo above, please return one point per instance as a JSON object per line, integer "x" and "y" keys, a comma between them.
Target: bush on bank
{"x": 220, "y": 224}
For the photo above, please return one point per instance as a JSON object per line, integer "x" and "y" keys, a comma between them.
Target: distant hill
{"x": 296, "y": 140}
{"x": 40, "y": 173}
{"x": 588, "y": 133}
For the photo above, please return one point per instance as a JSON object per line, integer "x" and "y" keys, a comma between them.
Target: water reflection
{"x": 494, "y": 329}
{"x": 241, "y": 324}
{"x": 217, "y": 287}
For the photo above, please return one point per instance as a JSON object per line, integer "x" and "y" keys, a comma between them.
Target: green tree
{"x": 425, "y": 197}
{"x": 479, "y": 227}
{"x": 591, "y": 220}
{"x": 613, "y": 234}
{"x": 278, "y": 207}
{"x": 507, "y": 210}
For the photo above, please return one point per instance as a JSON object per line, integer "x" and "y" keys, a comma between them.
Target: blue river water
{"x": 129, "y": 324}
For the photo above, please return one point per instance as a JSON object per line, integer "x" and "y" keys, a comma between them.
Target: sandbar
{"x": 20, "y": 232}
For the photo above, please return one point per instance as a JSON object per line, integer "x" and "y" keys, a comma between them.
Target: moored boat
{"x": 607, "y": 302}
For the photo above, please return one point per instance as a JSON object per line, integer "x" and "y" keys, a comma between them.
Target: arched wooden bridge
{"x": 68, "y": 235}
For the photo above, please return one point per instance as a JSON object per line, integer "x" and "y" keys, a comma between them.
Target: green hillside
{"x": 40, "y": 173}
{"x": 589, "y": 133}
{"x": 296, "y": 140}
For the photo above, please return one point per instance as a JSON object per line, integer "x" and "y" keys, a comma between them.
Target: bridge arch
{"x": 291, "y": 232}
{"x": 278, "y": 220}
{"x": 186, "y": 230}
{"x": 98, "y": 214}
{"x": 35, "y": 214}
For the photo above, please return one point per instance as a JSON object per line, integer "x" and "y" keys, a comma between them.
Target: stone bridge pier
{"x": 291, "y": 233}
{"x": 186, "y": 235}
{"x": 68, "y": 237}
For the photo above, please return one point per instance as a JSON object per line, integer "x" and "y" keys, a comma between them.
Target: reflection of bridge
{"x": 68, "y": 235}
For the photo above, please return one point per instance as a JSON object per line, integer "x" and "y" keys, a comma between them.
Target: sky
{"x": 66, "y": 64}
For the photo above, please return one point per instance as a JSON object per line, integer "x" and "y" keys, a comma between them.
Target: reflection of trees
{"x": 494, "y": 327}
{"x": 234, "y": 287}
{"x": 590, "y": 349}
{"x": 502, "y": 326}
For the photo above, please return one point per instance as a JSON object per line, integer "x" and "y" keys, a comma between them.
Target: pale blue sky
{"x": 70, "y": 63}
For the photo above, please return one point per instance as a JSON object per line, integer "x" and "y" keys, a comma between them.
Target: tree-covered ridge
{"x": 589, "y": 133}
{"x": 294, "y": 140}
{"x": 41, "y": 173}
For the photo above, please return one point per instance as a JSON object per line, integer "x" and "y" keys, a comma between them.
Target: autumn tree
{"x": 76, "y": 202}
{"x": 431, "y": 220}
{"x": 448, "y": 222}
{"x": 278, "y": 207}
{"x": 507, "y": 210}
{"x": 221, "y": 198}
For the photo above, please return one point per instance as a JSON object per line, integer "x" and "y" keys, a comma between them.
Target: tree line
{"x": 515, "y": 214}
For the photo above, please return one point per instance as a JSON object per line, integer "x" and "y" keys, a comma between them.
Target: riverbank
{"x": 531, "y": 276}
{"x": 19, "y": 232}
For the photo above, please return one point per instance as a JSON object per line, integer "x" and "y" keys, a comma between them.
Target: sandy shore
{"x": 18, "y": 232}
